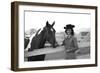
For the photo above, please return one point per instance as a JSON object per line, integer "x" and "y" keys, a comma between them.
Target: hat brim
{"x": 69, "y": 26}
{"x": 65, "y": 28}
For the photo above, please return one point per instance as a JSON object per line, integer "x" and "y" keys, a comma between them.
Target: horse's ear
{"x": 47, "y": 23}
{"x": 53, "y": 23}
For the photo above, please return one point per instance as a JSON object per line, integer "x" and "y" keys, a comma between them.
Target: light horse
{"x": 39, "y": 40}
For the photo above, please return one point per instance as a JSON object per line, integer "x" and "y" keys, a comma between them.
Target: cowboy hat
{"x": 69, "y": 26}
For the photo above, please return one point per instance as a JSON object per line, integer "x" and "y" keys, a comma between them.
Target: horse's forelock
{"x": 52, "y": 29}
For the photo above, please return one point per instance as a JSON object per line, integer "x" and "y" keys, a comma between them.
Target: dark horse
{"x": 39, "y": 40}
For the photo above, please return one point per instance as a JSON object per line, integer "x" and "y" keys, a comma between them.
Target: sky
{"x": 38, "y": 20}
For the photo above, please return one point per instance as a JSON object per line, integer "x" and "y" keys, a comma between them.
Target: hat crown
{"x": 69, "y": 26}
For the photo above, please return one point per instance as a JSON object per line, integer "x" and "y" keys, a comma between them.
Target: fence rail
{"x": 50, "y": 50}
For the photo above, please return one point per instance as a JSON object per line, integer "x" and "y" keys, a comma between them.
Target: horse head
{"x": 43, "y": 35}
{"x": 50, "y": 34}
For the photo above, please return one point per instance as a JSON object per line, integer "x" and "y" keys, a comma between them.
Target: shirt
{"x": 70, "y": 44}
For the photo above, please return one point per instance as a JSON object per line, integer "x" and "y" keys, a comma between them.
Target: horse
{"x": 39, "y": 40}
{"x": 26, "y": 42}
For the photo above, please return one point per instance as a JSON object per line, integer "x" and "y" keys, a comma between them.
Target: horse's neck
{"x": 35, "y": 34}
{"x": 39, "y": 39}
{"x": 42, "y": 40}
{"x": 41, "y": 35}
{"x": 39, "y": 43}
{"x": 38, "y": 32}
{"x": 30, "y": 39}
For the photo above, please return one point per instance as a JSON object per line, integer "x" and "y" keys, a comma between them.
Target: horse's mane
{"x": 28, "y": 45}
{"x": 37, "y": 32}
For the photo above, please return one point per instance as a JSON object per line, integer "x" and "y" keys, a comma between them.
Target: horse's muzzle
{"x": 55, "y": 45}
